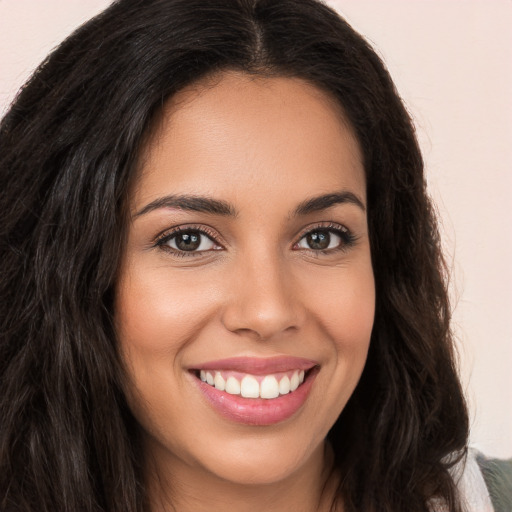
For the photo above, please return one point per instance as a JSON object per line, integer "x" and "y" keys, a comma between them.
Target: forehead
{"x": 235, "y": 131}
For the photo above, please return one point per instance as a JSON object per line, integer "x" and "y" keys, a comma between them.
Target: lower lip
{"x": 258, "y": 411}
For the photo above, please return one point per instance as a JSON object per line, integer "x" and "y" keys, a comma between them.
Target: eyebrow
{"x": 190, "y": 203}
{"x": 325, "y": 201}
{"x": 213, "y": 206}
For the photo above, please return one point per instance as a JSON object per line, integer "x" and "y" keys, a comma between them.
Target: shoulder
{"x": 497, "y": 475}
{"x": 471, "y": 484}
{"x": 485, "y": 484}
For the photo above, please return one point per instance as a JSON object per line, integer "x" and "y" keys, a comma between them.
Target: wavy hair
{"x": 69, "y": 147}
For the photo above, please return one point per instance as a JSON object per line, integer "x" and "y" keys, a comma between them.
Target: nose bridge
{"x": 262, "y": 301}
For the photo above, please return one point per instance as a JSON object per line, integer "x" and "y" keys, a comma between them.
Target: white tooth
{"x": 301, "y": 376}
{"x": 232, "y": 386}
{"x": 269, "y": 387}
{"x": 250, "y": 387}
{"x": 294, "y": 381}
{"x": 219, "y": 382}
{"x": 284, "y": 385}
{"x": 202, "y": 375}
{"x": 209, "y": 378}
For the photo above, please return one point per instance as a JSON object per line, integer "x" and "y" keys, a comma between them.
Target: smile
{"x": 256, "y": 391}
{"x": 254, "y": 386}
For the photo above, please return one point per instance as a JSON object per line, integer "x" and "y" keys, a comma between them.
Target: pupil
{"x": 319, "y": 240}
{"x": 188, "y": 241}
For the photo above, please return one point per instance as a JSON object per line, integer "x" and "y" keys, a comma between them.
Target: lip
{"x": 257, "y": 411}
{"x": 259, "y": 365}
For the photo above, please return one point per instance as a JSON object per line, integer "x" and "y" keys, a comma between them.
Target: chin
{"x": 268, "y": 455}
{"x": 267, "y": 469}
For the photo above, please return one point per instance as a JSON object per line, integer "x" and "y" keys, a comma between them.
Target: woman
{"x": 222, "y": 283}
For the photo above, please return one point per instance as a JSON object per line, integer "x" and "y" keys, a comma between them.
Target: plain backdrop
{"x": 451, "y": 62}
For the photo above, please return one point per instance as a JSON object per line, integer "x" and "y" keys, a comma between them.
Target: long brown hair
{"x": 68, "y": 152}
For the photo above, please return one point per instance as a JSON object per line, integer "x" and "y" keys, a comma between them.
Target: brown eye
{"x": 318, "y": 240}
{"x": 326, "y": 239}
{"x": 189, "y": 241}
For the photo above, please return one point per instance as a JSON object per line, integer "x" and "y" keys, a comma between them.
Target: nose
{"x": 263, "y": 300}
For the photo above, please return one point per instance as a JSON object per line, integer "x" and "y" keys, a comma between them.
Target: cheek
{"x": 158, "y": 312}
{"x": 341, "y": 302}
{"x": 157, "y": 316}
{"x": 345, "y": 306}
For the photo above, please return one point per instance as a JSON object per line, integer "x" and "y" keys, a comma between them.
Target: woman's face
{"x": 247, "y": 264}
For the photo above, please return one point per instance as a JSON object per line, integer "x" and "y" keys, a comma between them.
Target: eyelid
{"x": 167, "y": 234}
{"x": 345, "y": 233}
{"x": 328, "y": 225}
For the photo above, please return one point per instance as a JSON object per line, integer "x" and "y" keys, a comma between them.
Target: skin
{"x": 264, "y": 146}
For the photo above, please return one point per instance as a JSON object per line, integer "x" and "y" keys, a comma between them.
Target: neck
{"x": 178, "y": 487}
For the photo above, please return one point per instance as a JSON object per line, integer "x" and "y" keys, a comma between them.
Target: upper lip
{"x": 259, "y": 365}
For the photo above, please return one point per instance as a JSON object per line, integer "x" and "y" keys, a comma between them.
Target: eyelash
{"x": 347, "y": 238}
{"x": 167, "y": 236}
